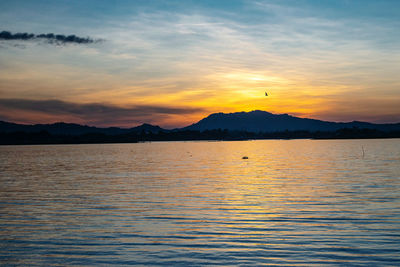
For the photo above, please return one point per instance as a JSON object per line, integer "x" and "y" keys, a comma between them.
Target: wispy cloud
{"x": 49, "y": 37}
{"x": 220, "y": 57}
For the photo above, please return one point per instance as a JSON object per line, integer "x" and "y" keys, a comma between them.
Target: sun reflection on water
{"x": 290, "y": 203}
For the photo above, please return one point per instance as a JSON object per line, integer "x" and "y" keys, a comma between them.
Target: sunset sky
{"x": 171, "y": 63}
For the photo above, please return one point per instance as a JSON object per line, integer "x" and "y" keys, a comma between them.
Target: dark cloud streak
{"x": 49, "y": 37}
{"x": 102, "y": 113}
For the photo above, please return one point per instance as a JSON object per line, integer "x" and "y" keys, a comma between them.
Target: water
{"x": 296, "y": 203}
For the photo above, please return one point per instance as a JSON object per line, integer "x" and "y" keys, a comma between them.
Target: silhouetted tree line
{"x": 44, "y": 137}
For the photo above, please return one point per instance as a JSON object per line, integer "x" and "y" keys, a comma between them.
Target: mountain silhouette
{"x": 254, "y": 121}
{"x": 262, "y": 121}
{"x": 75, "y": 129}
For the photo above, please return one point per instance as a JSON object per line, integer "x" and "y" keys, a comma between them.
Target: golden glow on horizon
{"x": 234, "y": 91}
{"x": 174, "y": 65}
{"x": 199, "y": 76}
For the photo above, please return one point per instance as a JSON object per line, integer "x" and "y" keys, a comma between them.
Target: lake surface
{"x": 291, "y": 203}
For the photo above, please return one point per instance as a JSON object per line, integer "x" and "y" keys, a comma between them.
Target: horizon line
{"x": 227, "y": 113}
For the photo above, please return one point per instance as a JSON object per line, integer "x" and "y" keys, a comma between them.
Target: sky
{"x": 172, "y": 63}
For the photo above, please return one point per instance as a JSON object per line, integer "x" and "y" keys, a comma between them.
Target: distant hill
{"x": 219, "y": 126}
{"x": 254, "y": 121}
{"x": 75, "y": 129}
{"x": 147, "y": 128}
{"x": 262, "y": 121}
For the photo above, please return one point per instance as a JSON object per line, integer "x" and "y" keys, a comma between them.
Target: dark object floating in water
{"x": 245, "y": 157}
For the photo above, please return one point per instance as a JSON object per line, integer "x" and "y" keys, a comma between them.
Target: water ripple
{"x": 292, "y": 203}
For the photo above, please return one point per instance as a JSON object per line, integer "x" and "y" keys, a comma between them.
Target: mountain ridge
{"x": 75, "y": 129}
{"x": 263, "y": 121}
{"x": 253, "y": 121}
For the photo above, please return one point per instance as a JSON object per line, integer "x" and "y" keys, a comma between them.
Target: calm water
{"x": 298, "y": 202}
